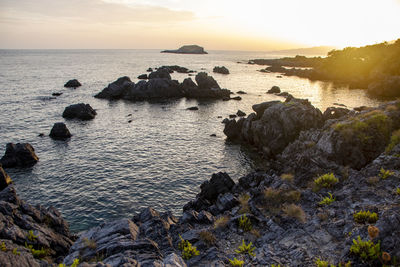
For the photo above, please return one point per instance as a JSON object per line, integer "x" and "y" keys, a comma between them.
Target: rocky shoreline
{"x": 332, "y": 190}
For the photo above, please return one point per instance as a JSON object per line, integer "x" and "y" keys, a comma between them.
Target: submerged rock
{"x": 274, "y": 90}
{"x": 193, "y": 108}
{"x": 79, "y": 111}
{"x": 19, "y": 155}
{"x": 72, "y": 84}
{"x": 60, "y": 131}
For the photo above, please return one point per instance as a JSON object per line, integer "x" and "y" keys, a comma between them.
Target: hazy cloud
{"x": 96, "y": 11}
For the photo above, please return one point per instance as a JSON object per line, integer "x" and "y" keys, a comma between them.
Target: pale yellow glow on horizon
{"x": 221, "y": 25}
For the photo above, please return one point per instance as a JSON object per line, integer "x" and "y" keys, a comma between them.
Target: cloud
{"x": 96, "y": 11}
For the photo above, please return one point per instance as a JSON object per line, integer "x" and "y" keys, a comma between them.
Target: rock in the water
{"x": 5, "y": 179}
{"x": 236, "y": 98}
{"x": 222, "y": 70}
{"x": 232, "y": 116}
{"x": 218, "y": 184}
{"x": 161, "y": 73}
{"x": 142, "y": 77}
{"x": 206, "y": 82}
{"x": 193, "y": 108}
{"x": 72, "y": 84}
{"x": 149, "y": 70}
{"x": 187, "y": 49}
{"x": 19, "y": 155}
{"x": 274, "y": 90}
{"x": 60, "y": 131}
{"x": 117, "y": 89}
{"x": 241, "y": 93}
{"x": 240, "y": 113}
{"x": 56, "y": 94}
{"x": 79, "y": 111}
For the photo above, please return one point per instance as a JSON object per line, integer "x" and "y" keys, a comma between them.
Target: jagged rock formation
{"x": 161, "y": 86}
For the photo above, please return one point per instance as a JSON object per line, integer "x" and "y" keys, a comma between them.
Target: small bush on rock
{"x": 188, "y": 251}
{"x": 295, "y": 211}
{"x": 16, "y": 252}
{"x": 327, "y": 200}
{"x": 327, "y": 180}
{"x": 245, "y": 223}
{"x": 398, "y": 191}
{"x": 236, "y": 263}
{"x": 244, "y": 203}
{"x": 37, "y": 253}
{"x": 394, "y": 140}
{"x": 288, "y": 177}
{"x": 373, "y": 231}
{"x": 366, "y": 250}
{"x": 31, "y": 237}
{"x": 365, "y": 216}
{"x": 221, "y": 222}
{"x": 208, "y": 237}
{"x": 3, "y": 246}
{"x": 90, "y": 243}
{"x": 246, "y": 249}
{"x": 385, "y": 173}
{"x": 75, "y": 263}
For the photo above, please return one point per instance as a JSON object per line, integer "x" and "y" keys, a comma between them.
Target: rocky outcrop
{"x": 385, "y": 87}
{"x": 72, "y": 84}
{"x": 161, "y": 86}
{"x": 221, "y": 70}
{"x": 275, "y": 125}
{"x": 5, "y": 179}
{"x": 60, "y": 131}
{"x": 24, "y": 227}
{"x": 143, "y": 77}
{"x": 79, "y": 111}
{"x": 187, "y": 49}
{"x": 19, "y": 155}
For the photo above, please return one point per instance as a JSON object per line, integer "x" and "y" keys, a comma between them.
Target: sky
{"x": 259, "y": 25}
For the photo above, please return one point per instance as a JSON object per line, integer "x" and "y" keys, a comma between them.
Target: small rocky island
{"x": 187, "y": 49}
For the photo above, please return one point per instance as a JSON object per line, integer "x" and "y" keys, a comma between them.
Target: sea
{"x": 112, "y": 168}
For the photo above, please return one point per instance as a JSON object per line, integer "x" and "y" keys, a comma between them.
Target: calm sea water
{"x": 111, "y": 168}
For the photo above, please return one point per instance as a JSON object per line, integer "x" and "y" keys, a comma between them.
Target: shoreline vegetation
{"x": 372, "y": 67}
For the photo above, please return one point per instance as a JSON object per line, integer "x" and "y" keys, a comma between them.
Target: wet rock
{"x": 60, "y": 131}
{"x": 178, "y": 69}
{"x": 79, "y": 111}
{"x": 161, "y": 73}
{"x": 72, "y": 84}
{"x": 233, "y": 128}
{"x": 206, "y": 82}
{"x": 222, "y": 70}
{"x": 193, "y": 108}
{"x": 142, "y": 77}
{"x": 116, "y": 89}
{"x": 219, "y": 183}
{"x": 5, "y": 179}
{"x": 56, "y": 94}
{"x": 232, "y": 116}
{"x": 274, "y": 90}
{"x": 149, "y": 70}
{"x": 241, "y": 93}
{"x": 19, "y": 155}
{"x": 236, "y": 98}
{"x": 335, "y": 113}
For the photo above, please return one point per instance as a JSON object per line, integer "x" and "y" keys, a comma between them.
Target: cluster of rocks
{"x": 161, "y": 86}
{"x": 19, "y": 155}
{"x": 222, "y": 70}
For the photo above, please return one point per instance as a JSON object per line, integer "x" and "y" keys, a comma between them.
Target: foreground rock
{"x": 72, "y": 84}
{"x": 23, "y": 225}
{"x": 60, "y": 131}
{"x": 79, "y": 111}
{"x": 5, "y": 179}
{"x": 161, "y": 86}
{"x": 222, "y": 70}
{"x": 19, "y": 155}
{"x": 187, "y": 49}
{"x": 274, "y": 90}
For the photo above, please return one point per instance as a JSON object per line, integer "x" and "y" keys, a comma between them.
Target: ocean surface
{"x": 111, "y": 168}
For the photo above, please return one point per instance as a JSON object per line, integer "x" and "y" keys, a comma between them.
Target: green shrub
{"x": 394, "y": 140}
{"x": 246, "y": 249}
{"x": 236, "y": 263}
{"x": 37, "y": 253}
{"x": 244, "y": 203}
{"x": 3, "y": 246}
{"x": 31, "y": 237}
{"x": 385, "y": 173}
{"x": 366, "y": 250}
{"x": 321, "y": 263}
{"x": 327, "y": 180}
{"x": 365, "y": 216}
{"x": 245, "y": 223}
{"x": 275, "y": 198}
{"x": 398, "y": 190}
{"x": 327, "y": 200}
{"x": 90, "y": 243}
{"x": 188, "y": 251}
{"x": 74, "y": 264}
{"x": 208, "y": 237}
{"x": 16, "y": 252}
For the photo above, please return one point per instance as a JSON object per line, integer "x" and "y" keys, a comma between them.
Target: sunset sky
{"x": 215, "y": 24}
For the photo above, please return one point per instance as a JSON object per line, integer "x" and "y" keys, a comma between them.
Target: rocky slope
{"x": 332, "y": 190}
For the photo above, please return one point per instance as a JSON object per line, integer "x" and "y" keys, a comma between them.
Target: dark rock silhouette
{"x": 5, "y": 179}
{"x": 142, "y": 77}
{"x": 274, "y": 90}
{"x": 222, "y": 70}
{"x": 187, "y": 49}
{"x": 60, "y": 131}
{"x": 79, "y": 111}
{"x": 19, "y": 155}
{"x": 72, "y": 84}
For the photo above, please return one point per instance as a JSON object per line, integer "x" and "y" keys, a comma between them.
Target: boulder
{"x": 187, "y": 49}
{"x": 206, "y": 82}
{"x": 193, "y": 108}
{"x": 72, "y": 84}
{"x": 56, "y": 94}
{"x": 161, "y": 73}
{"x": 335, "y": 113}
{"x": 60, "y": 131}
{"x": 222, "y": 70}
{"x": 5, "y": 179}
{"x": 116, "y": 89}
{"x": 79, "y": 111}
{"x": 241, "y": 92}
{"x": 240, "y": 113}
{"x": 233, "y": 128}
{"x": 238, "y": 98}
{"x": 154, "y": 88}
{"x": 219, "y": 183}
{"x": 19, "y": 155}
{"x": 177, "y": 68}
{"x": 274, "y": 90}
{"x": 142, "y": 77}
